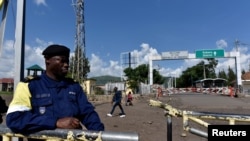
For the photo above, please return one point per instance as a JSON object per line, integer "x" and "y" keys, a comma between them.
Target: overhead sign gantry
{"x": 199, "y": 54}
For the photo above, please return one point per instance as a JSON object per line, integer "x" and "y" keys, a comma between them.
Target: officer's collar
{"x": 53, "y": 83}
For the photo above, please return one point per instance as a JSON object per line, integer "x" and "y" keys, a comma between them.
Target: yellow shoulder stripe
{"x": 21, "y": 98}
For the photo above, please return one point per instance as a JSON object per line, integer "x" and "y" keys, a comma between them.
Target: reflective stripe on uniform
{"x": 21, "y": 99}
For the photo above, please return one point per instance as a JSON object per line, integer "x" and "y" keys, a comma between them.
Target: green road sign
{"x": 216, "y": 53}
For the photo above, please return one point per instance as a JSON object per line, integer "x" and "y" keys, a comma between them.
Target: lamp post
{"x": 173, "y": 79}
{"x": 204, "y": 71}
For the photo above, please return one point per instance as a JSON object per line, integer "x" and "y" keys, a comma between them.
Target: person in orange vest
{"x": 231, "y": 91}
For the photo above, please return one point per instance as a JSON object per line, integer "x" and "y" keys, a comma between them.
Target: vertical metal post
{"x": 19, "y": 42}
{"x": 204, "y": 71}
{"x": 3, "y": 22}
{"x": 238, "y": 71}
{"x": 150, "y": 71}
{"x": 169, "y": 128}
{"x": 238, "y": 67}
{"x": 175, "y": 80}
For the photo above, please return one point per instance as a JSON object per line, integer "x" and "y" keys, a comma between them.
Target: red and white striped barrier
{"x": 219, "y": 90}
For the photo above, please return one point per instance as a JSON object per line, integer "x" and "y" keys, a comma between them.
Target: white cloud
{"x": 40, "y": 2}
{"x": 99, "y": 67}
{"x": 6, "y": 60}
{"x": 144, "y": 53}
{"x": 221, "y": 43}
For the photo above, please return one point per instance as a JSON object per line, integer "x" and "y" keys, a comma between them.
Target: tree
{"x": 243, "y": 71}
{"x": 157, "y": 77}
{"x": 79, "y": 67}
{"x": 212, "y": 63}
{"x": 197, "y": 72}
{"x": 140, "y": 74}
{"x": 189, "y": 76}
{"x": 131, "y": 78}
{"x": 231, "y": 75}
{"x": 222, "y": 74}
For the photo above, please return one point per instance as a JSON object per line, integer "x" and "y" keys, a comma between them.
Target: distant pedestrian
{"x": 129, "y": 99}
{"x": 159, "y": 92}
{"x": 116, "y": 101}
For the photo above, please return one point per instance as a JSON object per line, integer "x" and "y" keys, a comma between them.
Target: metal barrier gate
{"x": 72, "y": 135}
{"x": 195, "y": 117}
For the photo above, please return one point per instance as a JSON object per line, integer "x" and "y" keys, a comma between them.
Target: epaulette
{"x": 30, "y": 78}
{"x": 69, "y": 79}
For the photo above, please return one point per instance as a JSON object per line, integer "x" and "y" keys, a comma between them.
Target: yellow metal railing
{"x": 195, "y": 117}
{"x": 71, "y": 135}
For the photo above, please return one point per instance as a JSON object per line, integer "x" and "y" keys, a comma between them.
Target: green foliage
{"x": 5, "y": 93}
{"x": 197, "y": 72}
{"x": 102, "y": 80}
{"x": 222, "y": 74}
{"x": 231, "y": 75}
{"x": 210, "y": 67}
{"x": 99, "y": 91}
{"x": 79, "y": 66}
{"x": 157, "y": 77}
{"x": 243, "y": 71}
{"x": 140, "y": 74}
{"x": 194, "y": 73}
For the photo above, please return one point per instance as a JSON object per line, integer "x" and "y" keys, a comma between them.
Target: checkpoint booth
{"x": 204, "y": 83}
{"x": 211, "y": 83}
{"x": 220, "y": 82}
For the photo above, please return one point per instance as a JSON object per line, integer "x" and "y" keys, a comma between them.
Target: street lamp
{"x": 204, "y": 71}
{"x": 173, "y": 79}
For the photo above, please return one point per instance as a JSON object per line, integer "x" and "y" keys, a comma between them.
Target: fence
{"x": 195, "y": 117}
{"x": 71, "y": 135}
{"x": 218, "y": 90}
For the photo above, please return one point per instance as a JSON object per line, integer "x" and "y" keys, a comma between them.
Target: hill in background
{"x": 102, "y": 80}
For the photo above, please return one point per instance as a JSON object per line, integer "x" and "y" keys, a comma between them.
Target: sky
{"x": 144, "y": 28}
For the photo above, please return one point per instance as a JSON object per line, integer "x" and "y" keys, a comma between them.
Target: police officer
{"x": 51, "y": 101}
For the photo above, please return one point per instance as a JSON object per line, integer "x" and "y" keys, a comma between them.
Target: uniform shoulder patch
{"x": 30, "y": 78}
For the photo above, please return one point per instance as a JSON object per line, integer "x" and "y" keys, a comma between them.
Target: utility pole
{"x": 204, "y": 71}
{"x": 80, "y": 63}
{"x": 238, "y": 67}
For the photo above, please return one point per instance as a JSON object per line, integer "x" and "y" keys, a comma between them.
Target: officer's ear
{"x": 47, "y": 59}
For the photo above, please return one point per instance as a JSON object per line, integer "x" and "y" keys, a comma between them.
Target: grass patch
{"x": 5, "y": 93}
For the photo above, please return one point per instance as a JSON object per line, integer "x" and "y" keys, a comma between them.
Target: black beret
{"x": 56, "y": 50}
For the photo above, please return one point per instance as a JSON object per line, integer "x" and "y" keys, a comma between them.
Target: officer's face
{"x": 58, "y": 65}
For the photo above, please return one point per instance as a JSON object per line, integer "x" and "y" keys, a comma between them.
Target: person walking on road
{"x": 116, "y": 101}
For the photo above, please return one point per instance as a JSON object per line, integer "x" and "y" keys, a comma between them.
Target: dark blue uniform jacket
{"x": 49, "y": 101}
